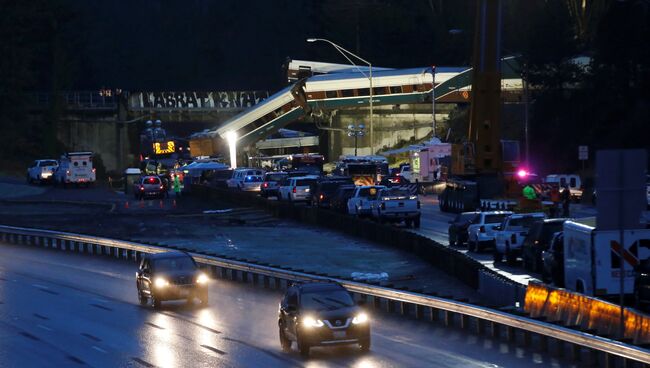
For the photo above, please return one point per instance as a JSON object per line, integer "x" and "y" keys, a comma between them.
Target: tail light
{"x": 265, "y": 185}
{"x": 161, "y": 187}
{"x": 513, "y": 239}
{"x": 419, "y": 205}
{"x": 383, "y": 205}
{"x": 141, "y": 187}
{"x": 294, "y": 189}
{"x": 482, "y": 229}
{"x": 94, "y": 170}
{"x": 67, "y": 172}
{"x": 321, "y": 197}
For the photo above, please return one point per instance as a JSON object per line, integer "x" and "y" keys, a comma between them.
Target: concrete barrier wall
{"x": 448, "y": 260}
{"x": 573, "y": 309}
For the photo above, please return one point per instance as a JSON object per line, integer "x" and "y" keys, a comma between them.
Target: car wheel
{"x": 203, "y": 297}
{"x": 498, "y": 257}
{"x": 416, "y": 222}
{"x": 303, "y": 347}
{"x": 155, "y": 302}
{"x": 364, "y": 344}
{"x": 472, "y": 246}
{"x": 285, "y": 343}
{"x": 142, "y": 298}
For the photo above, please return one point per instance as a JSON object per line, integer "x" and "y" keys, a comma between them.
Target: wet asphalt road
{"x": 67, "y": 310}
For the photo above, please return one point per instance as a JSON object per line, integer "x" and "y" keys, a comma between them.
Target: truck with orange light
{"x": 593, "y": 258}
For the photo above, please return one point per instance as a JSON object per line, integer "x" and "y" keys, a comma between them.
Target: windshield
{"x": 174, "y": 264}
{"x": 47, "y": 163}
{"x": 495, "y": 219}
{"x": 396, "y": 193}
{"x": 304, "y": 182}
{"x": 525, "y": 222}
{"x": 151, "y": 180}
{"x": 326, "y": 300}
{"x": 275, "y": 177}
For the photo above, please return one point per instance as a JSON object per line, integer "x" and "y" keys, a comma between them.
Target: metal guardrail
{"x": 480, "y": 319}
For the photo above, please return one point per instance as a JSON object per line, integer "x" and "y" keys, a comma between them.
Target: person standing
{"x": 566, "y": 201}
{"x": 555, "y": 199}
{"x": 177, "y": 186}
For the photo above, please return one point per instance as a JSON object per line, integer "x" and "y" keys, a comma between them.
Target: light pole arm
{"x": 343, "y": 52}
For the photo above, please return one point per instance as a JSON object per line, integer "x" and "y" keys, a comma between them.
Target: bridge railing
{"x": 477, "y": 319}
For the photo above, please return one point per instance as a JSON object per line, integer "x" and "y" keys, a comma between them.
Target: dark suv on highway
{"x": 170, "y": 276}
{"x": 321, "y": 314}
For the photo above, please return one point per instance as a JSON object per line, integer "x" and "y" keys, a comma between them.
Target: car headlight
{"x": 413, "y": 197}
{"x": 202, "y": 279}
{"x": 360, "y": 318}
{"x": 311, "y": 322}
{"x": 159, "y": 282}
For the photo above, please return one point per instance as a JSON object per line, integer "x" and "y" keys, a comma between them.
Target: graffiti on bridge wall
{"x": 195, "y": 100}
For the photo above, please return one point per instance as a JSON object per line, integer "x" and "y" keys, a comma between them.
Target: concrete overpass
{"x": 110, "y": 123}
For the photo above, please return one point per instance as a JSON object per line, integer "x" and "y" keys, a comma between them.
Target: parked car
{"x": 75, "y": 168}
{"x": 297, "y": 189}
{"x": 271, "y": 183}
{"x": 170, "y": 276}
{"x": 481, "y": 233}
{"x": 397, "y": 205}
{"x": 553, "y": 261}
{"x": 339, "y": 201}
{"x": 325, "y": 188}
{"x": 394, "y": 180}
{"x": 539, "y": 239}
{"x": 458, "y": 227}
{"x": 148, "y": 187}
{"x": 642, "y": 285}
{"x": 251, "y": 183}
{"x": 240, "y": 174}
{"x": 321, "y": 314}
{"x": 360, "y": 203}
{"x": 511, "y": 234}
{"x": 41, "y": 171}
{"x": 572, "y": 181}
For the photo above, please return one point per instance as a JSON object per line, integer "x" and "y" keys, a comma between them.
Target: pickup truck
{"x": 397, "y": 205}
{"x": 511, "y": 234}
{"x": 41, "y": 170}
{"x": 481, "y": 232}
{"x": 360, "y": 204}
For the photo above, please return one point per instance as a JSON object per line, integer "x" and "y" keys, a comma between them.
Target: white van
{"x": 75, "y": 168}
{"x": 572, "y": 180}
{"x": 240, "y": 174}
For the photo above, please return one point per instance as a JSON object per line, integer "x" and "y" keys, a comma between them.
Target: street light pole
{"x": 369, "y": 76}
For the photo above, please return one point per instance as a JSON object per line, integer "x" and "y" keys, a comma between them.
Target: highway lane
{"x": 63, "y": 310}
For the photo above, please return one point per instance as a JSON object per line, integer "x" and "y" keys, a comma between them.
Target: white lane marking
{"x": 101, "y": 300}
{"x": 40, "y": 286}
{"x": 99, "y": 349}
{"x": 44, "y": 327}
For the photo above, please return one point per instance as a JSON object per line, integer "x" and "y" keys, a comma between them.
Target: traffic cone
{"x": 126, "y": 205}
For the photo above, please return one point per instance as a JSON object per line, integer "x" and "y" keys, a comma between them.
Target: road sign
{"x": 583, "y": 153}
